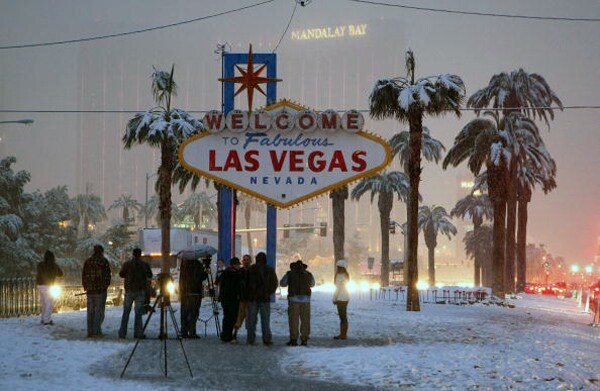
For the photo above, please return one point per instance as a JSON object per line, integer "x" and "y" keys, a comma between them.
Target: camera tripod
{"x": 164, "y": 303}
{"x": 213, "y": 300}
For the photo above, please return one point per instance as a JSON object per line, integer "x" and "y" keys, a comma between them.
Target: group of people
{"x": 245, "y": 291}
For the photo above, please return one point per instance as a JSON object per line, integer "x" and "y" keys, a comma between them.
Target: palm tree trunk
{"x": 431, "y": 265}
{"x": 523, "y": 199}
{"x": 414, "y": 166}
{"x": 385, "y": 204}
{"x": 497, "y": 187}
{"x": 431, "y": 243}
{"x": 511, "y": 223}
{"x": 167, "y": 163}
{"x": 338, "y": 205}
{"x": 477, "y": 267}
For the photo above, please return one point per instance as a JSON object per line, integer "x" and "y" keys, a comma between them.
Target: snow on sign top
{"x": 284, "y": 154}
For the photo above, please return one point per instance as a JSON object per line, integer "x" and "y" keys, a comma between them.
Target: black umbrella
{"x": 196, "y": 251}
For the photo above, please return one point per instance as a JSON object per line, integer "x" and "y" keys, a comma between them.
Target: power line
{"x": 578, "y": 107}
{"x": 473, "y": 13}
{"x": 286, "y": 27}
{"x": 32, "y": 45}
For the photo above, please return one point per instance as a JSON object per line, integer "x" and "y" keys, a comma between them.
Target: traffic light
{"x": 323, "y": 229}
{"x": 286, "y": 231}
{"x": 392, "y": 227}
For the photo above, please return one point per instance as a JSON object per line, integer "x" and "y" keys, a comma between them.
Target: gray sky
{"x": 567, "y": 54}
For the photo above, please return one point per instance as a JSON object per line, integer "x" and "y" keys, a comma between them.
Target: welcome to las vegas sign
{"x": 284, "y": 154}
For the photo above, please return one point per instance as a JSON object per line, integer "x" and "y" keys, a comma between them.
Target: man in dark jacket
{"x": 136, "y": 274}
{"x": 299, "y": 281}
{"x": 261, "y": 282}
{"x": 95, "y": 279}
{"x": 230, "y": 292}
{"x": 243, "y": 309}
{"x": 47, "y": 272}
{"x": 191, "y": 275}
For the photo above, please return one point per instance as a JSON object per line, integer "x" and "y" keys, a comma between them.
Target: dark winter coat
{"x": 47, "y": 272}
{"x": 136, "y": 274}
{"x": 95, "y": 277}
{"x": 231, "y": 285}
{"x": 299, "y": 281}
{"x": 191, "y": 275}
{"x": 261, "y": 283}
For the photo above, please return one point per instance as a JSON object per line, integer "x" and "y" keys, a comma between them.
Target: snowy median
{"x": 543, "y": 343}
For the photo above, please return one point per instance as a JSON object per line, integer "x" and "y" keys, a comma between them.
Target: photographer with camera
{"x": 191, "y": 276}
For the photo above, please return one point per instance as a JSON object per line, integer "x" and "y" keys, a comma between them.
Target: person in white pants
{"x": 47, "y": 272}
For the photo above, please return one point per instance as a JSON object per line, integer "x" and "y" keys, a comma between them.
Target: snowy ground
{"x": 543, "y": 343}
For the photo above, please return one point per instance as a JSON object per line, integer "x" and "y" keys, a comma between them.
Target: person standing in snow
{"x": 95, "y": 279}
{"x": 136, "y": 274}
{"x": 299, "y": 281}
{"x": 230, "y": 292}
{"x": 341, "y": 297}
{"x": 261, "y": 285}
{"x": 243, "y": 309}
{"x": 47, "y": 272}
{"x": 191, "y": 276}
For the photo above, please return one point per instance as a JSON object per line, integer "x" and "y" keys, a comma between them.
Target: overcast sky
{"x": 566, "y": 53}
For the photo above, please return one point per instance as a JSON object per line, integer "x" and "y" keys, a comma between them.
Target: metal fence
{"x": 18, "y": 297}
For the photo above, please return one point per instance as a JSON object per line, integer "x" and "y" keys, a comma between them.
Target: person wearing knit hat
{"x": 341, "y": 296}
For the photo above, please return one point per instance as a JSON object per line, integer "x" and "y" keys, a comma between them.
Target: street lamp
{"x": 588, "y": 269}
{"x": 26, "y": 121}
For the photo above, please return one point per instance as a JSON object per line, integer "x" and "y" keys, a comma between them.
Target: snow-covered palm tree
{"x": 478, "y": 244}
{"x": 199, "y": 205}
{"x": 434, "y": 220}
{"x": 491, "y": 143}
{"x": 477, "y": 208}
{"x": 517, "y": 91}
{"x": 88, "y": 210}
{"x": 385, "y": 185}
{"x": 408, "y": 99}
{"x": 127, "y": 203}
{"x": 163, "y": 127}
{"x": 530, "y": 95}
{"x": 480, "y": 144}
{"x": 530, "y": 175}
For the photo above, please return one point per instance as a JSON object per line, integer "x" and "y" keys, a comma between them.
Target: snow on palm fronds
{"x": 394, "y": 182}
{"x": 517, "y": 90}
{"x": 436, "y": 219}
{"x": 397, "y": 96}
{"x": 163, "y": 122}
